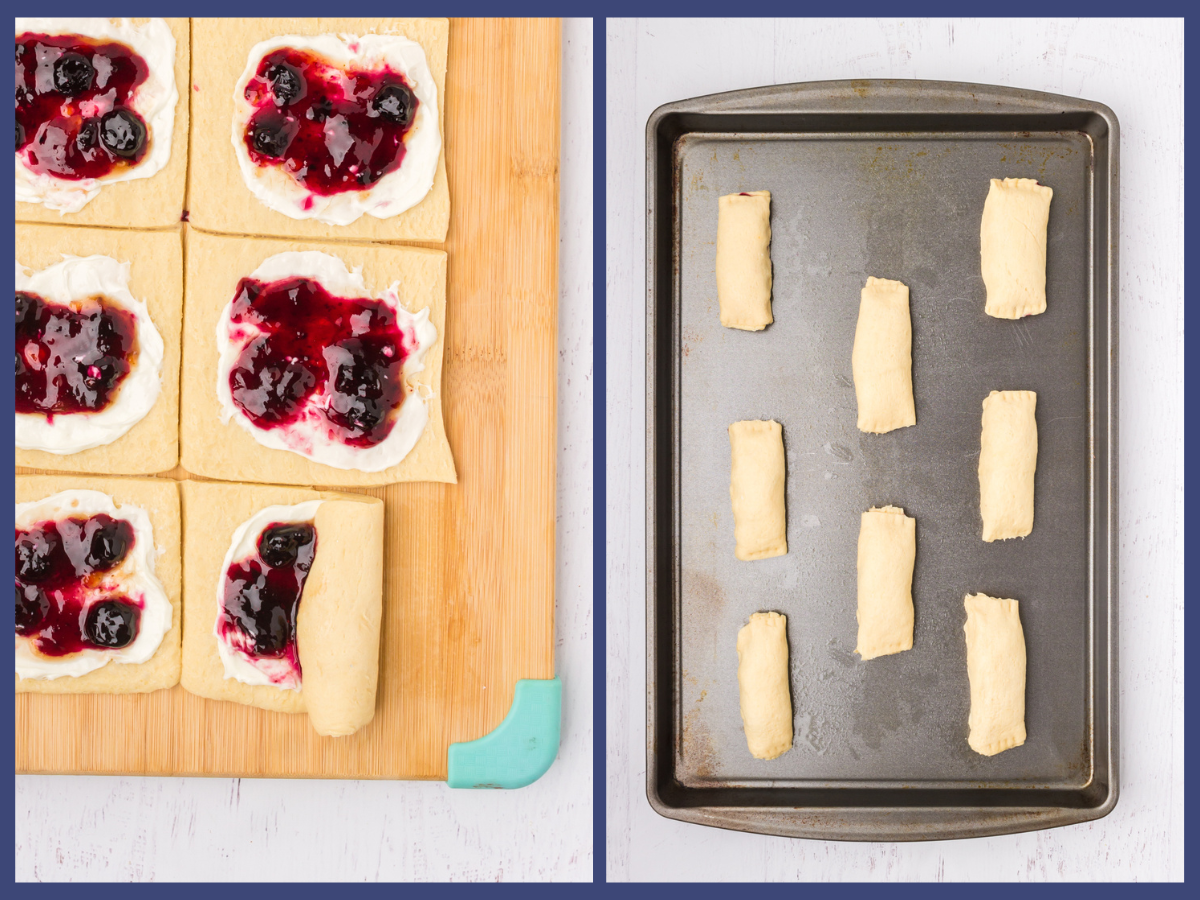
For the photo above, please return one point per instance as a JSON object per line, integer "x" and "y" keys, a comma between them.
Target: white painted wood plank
{"x": 1134, "y": 66}
{"x": 123, "y": 829}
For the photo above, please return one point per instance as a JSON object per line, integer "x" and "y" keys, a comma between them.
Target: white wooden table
{"x": 122, "y": 829}
{"x": 1136, "y": 68}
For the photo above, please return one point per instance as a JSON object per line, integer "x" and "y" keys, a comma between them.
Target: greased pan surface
{"x": 886, "y": 179}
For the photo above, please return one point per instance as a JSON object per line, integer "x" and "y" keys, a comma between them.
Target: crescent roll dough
{"x": 1007, "y": 462}
{"x": 757, "y": 485}
{"x": 766, "y": 700}
{"x": 341, "y": 607}
{"x": 882, "y": 358}
{"x": 996, "y": 670}
{"x": 744, "y": 260}
{"x": 887, "y": 550}
{"x": 1012, "y": 247}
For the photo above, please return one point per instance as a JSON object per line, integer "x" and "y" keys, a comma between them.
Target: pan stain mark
{"x": 704, "y": 589}
{"x": 697, "y": 750}
{"x": 840, "y": 452}
{"x": 886, "y": 703}
{"x": 842, "y": 657}
{"x": 806, "y": 724}
{"x": 843, "y": 380}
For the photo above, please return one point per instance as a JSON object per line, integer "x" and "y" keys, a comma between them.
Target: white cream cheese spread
{"x": 241, "y": 664}
{"x": 154, "y": 100}
{"x": 392, "y": 194}
{"x": 75, "y": 279}
{"x": 311, "y": 435}
{"x": 134, "y": 577}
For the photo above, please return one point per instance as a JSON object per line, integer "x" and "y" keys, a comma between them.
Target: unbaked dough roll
{"x": 757, "y": 485}
{"x": 744, "y": 260}
{"x": 766, "y": 699}
{"x": 887, "y": 550}
{"x": 1007, "y": 462}
{"x": 337, "y": 625}
{"x": 882, "y": 358}
{"x": 996, "y": 670}
{"x": 1012, "y": 247}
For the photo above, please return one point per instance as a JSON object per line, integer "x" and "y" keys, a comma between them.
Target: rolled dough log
{"x": 763, "y": 685}
{"x": 337, "y": 626}
{"x": 1007, "y": 462}
{"x": 744, "y": 260}
{"x": 882, "y": 358}
{"x": 1012, "y": 247}
{"x": 887, "y": 549}
{"x": 757, "y": 484}
{"x": 996, "y": 670}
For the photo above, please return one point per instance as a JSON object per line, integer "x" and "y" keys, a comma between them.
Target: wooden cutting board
{"x": 469, "y": 581}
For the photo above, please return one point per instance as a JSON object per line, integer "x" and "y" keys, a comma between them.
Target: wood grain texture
{"x": 469, "y": 577}
{"x": 1135, "y": 67}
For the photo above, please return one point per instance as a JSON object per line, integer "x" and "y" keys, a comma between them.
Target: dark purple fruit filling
{"x": 262, "y": 593}
{"x": 60, "y": 569}
{"x": 112, "y": 623}
{"x": 73, "y": 97}
{"x": 351, "y": 351}
{"x": 71, "y": 359}
{"x": 331, "y": 129}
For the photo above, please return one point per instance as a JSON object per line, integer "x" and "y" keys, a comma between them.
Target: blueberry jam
{"x": 262, "y": 594}
{"x": 71, "y": 359}
{"x": 73, "y": 97}
{"x": 63, "y": 603}
{"x": 348, "y": 353}
{"x": 331, "y": 129}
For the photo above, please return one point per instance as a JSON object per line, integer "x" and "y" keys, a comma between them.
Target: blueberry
{"x": 280, "y": 545}
{"x": 111, "y": 623}
{"x": 72, "y": 74}
{"x": 274, "y": 392}
{"x": 259, "y": 612}
{"x": 35, "y": 555}
{"x": 287, "y": 84}
{"x": 123, "y": 133}
{"x": 89, "y": 134}
{"x": 395, "y": 102}
{"x": 27, "y": 309}
{"x": 271, "y": 135}
{"x": 108, "y": 541}
{"x": 358, "y": 379}
{"x": 20, "y": 135}
{"x": 320, "y": 110}
{"x": 33, "y": 607}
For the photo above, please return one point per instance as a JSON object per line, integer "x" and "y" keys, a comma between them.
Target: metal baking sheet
{"x": 885, "y": 179}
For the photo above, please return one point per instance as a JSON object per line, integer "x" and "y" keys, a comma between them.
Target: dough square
{"x": 1008, "y": 464}
{"x": 154, "y": 202}
{"x": 215, "y": 264}
{"x": 996, "y": 665}
{"x": 160, "y": 499}
{"x": 887, "y": 552}
{"x": 882, "y": 358}
{"x": 220, "y": 201}
{"x": 155, "y": 277}
{"x": 744, "y": 260}
{"x": 764, "y": 692}
{"x": 213, "y": 513}
{"x": 1012, "y": 247}
{"x": 757, "y": 489}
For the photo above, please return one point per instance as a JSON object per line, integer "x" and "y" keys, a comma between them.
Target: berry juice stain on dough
{"x": 71, "y": 359}
{"x": 73, "y": 96}
{"x": 262, "y": 596}
{"x": 347, "y": 353}
{"x": 62, "y": 602}
{"x": 332, "y": 130}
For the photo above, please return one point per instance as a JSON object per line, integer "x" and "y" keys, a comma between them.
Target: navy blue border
{"x": 698, "y": 7}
